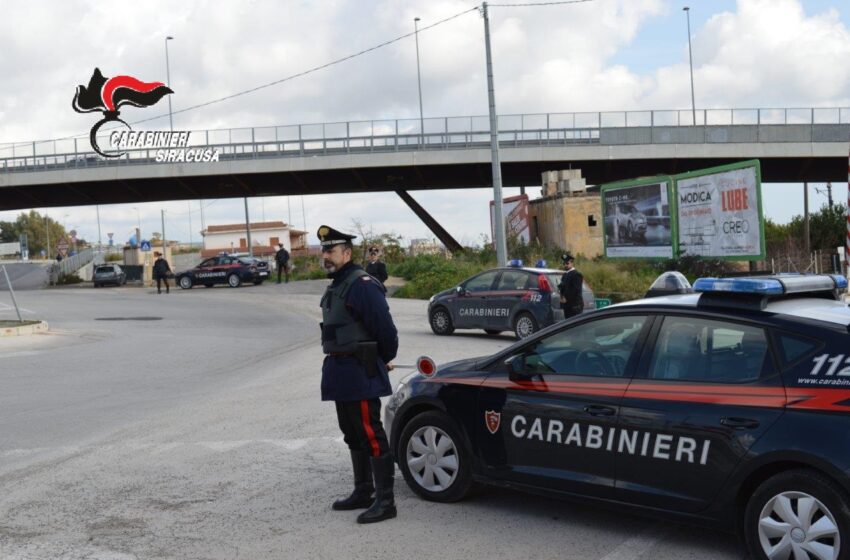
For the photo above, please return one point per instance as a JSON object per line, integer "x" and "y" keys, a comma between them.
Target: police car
{"x": 514, "y": 298}
{"x": 728, "y": 406}
{"x": 224, "y": 269}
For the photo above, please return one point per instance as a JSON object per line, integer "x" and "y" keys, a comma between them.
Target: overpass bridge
{"x": 793, "y": 145}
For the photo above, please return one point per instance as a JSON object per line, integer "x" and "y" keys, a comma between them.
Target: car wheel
{"x": 798, "y": 514}
{"x": 234, "y": 281}
{"x": 441, "y": 321}
{"x": 524, "y": 325}
{"x": 185, "y": 282}
{"x": 491, "y": 331}
{"x": 433, "y": 459}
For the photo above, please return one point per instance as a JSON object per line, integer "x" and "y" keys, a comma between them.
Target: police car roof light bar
{"x": 515, "y": 263}
{"x": 776, "y": 285}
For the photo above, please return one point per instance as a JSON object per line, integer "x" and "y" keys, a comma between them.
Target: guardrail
{"x": 544, "y": 129}
{"x": 73, "y": 263}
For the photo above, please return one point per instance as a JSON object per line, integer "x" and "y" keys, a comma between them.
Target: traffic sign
{"x": 62, "y": 246}
{"x": 602, "y": 302}
{"x": 146, "y": 246}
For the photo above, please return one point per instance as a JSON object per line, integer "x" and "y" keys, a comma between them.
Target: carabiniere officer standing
{"x": 359, "y": 340}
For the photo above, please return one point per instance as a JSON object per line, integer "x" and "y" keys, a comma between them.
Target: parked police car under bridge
{"x": 224, "y": 269}
{"x": 729, "y": 406}
{"x": 515, "y": 298}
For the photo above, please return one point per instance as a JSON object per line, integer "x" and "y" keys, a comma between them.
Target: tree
{"x": 827, "y": 227}
{"x": 36, "y": 227}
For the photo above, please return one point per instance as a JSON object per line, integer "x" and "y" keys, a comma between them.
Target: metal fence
{"x": 542, "y": 129}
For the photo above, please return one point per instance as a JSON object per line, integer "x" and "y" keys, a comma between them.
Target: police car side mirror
{"x": 516, "y": 367}
{"x": 460, "y": 290}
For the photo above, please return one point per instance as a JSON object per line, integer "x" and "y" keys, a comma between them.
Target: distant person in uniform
{"x": 161, "y": 270}
{"x": 375, "y": 267}
{"x": 281, "y": 258}
{"x": 570, "y": 288}
{"x": 58, "y": 257}
{"x": 360, "y": 341}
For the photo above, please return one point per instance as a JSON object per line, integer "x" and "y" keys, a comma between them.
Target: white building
{"x": 265, "y": 237}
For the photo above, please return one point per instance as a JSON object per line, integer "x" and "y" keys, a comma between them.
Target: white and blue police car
{"x": 513, "y": 298}
{"x": 729, "y": 406}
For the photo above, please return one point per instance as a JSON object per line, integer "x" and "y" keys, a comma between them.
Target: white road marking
{"x": 7, "y": 307}
{"x": 637, "y": 546}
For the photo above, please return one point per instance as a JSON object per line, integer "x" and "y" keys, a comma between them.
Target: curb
{"x": 24, "y": 330}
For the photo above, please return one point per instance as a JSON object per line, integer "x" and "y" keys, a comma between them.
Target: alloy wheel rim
{"x": 440, "y": 320}
{"x": 233, "y": 281}
{"x": 184, "y": 282}
{"x": 795, "y": 525}
{"x": 432, "y": 459}
{"x": 524, "y": 327}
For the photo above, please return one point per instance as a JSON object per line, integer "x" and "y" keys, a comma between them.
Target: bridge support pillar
{"x": 444, "y": 236}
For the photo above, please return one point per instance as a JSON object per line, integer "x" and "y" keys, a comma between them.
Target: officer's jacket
{"x": 378, "y": 270}
{"x": 344, "y": 377}
{"x": 570, "y": 288}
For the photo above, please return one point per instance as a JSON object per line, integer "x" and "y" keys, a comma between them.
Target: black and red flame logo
{"x": 107, "y": 95}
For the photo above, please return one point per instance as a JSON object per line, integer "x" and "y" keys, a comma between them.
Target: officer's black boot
{"x": 363, "y": 489}
{"x": 384, "y": 505}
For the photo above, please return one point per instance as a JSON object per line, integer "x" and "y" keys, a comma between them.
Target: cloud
{"x": 546, "y": 59}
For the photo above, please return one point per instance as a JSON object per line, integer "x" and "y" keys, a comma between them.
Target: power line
{"x": 532, "y": 4}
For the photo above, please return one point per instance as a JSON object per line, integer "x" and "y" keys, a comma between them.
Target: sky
{"x": 600, "y": 55}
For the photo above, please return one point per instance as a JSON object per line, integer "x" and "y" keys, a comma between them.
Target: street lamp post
{"x": 687, "y": 11}
{"x": 168, "y": 77}
{"x": 419, "y": 82}
{"x": 139, "y": 230}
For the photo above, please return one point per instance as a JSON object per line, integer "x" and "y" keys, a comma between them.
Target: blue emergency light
{"x": 772, "y": 285}
{"x": 540, "y": 264}
{"x": 516, "y": 263}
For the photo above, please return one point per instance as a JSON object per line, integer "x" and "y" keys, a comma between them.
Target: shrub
{"x": 113, "y": 257}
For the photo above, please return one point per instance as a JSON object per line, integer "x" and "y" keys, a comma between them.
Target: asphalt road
{"x": 189, "y": 425}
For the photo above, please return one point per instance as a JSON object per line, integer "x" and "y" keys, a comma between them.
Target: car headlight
{"x": 432, "y": 299}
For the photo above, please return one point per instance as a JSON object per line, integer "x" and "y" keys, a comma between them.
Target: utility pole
{"x": 248, "y": 227}
{"x": 806, "y": 236}
{"x": 498, "y": 219}
{"x": 164, "y": 242}
{"x": 419, "y": 81}
{"x": 687, "y": 11}
{"x": 99, "y": 238}
{"x": 829, "y": 193}
{"x": 47, "y": 232}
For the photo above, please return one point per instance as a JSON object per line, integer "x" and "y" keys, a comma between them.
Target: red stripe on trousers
{"x": 367, "y": 426}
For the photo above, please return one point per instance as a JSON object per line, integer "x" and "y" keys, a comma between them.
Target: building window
{"x": 591, "y": 221}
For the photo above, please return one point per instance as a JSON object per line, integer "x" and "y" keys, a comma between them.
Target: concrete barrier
{"x": 23, "y": 330}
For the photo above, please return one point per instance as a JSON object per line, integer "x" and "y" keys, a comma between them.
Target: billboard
{"x": 515, "y": 214}
{"x": 720, "y": 212}
{"x": 637, "y": 220}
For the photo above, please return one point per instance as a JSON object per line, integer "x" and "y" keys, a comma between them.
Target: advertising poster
{"x": 637, "y": 219}
{"x": 515, "y": 213}
{"x": 719, "y": 212}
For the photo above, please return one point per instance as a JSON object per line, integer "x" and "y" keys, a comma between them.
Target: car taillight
{"x": 543, "y": 284}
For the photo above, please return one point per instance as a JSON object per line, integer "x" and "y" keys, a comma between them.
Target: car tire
{"x": 492, "y": 332}
{"x": 185, "y": 282}
{"x": 433, "y": 458}
{"x": 525, "y": 325}
{"x": 234, "y": 281}
{"x": 773, "y": 516}
{"x": 441, "y": 321}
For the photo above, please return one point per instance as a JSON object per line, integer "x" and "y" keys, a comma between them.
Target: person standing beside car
{"x": 375, "y": 267}
{"x": 570, "y": 288}
{"x": 161, "y": 270}
{"x": 359, "y": 340}
{"x": 281, "y": 259}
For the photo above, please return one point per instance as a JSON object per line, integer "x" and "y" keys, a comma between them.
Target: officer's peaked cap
{"x": 329, "y": 236}
{"x": 566, "y": 257}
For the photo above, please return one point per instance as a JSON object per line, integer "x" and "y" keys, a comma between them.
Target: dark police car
{"x": 224, "y": 269}
{"x": 514, "y": 298}
{"x": 730, "y": 406}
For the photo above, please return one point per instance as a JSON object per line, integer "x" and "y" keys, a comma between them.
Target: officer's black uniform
{"x": 378, "y": 270}
{"x": 570, "y": 289}
{"x": 160, "y": 273}
{"x": 359, "y": 339}
{"x": 282, "y": 260}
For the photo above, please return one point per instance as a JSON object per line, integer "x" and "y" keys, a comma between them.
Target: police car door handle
{"x": 739, "y": 422}
{"x": 598, "y": 410}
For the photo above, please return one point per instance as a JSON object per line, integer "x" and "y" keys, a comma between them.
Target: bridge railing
{"x": 541, "y": 129}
